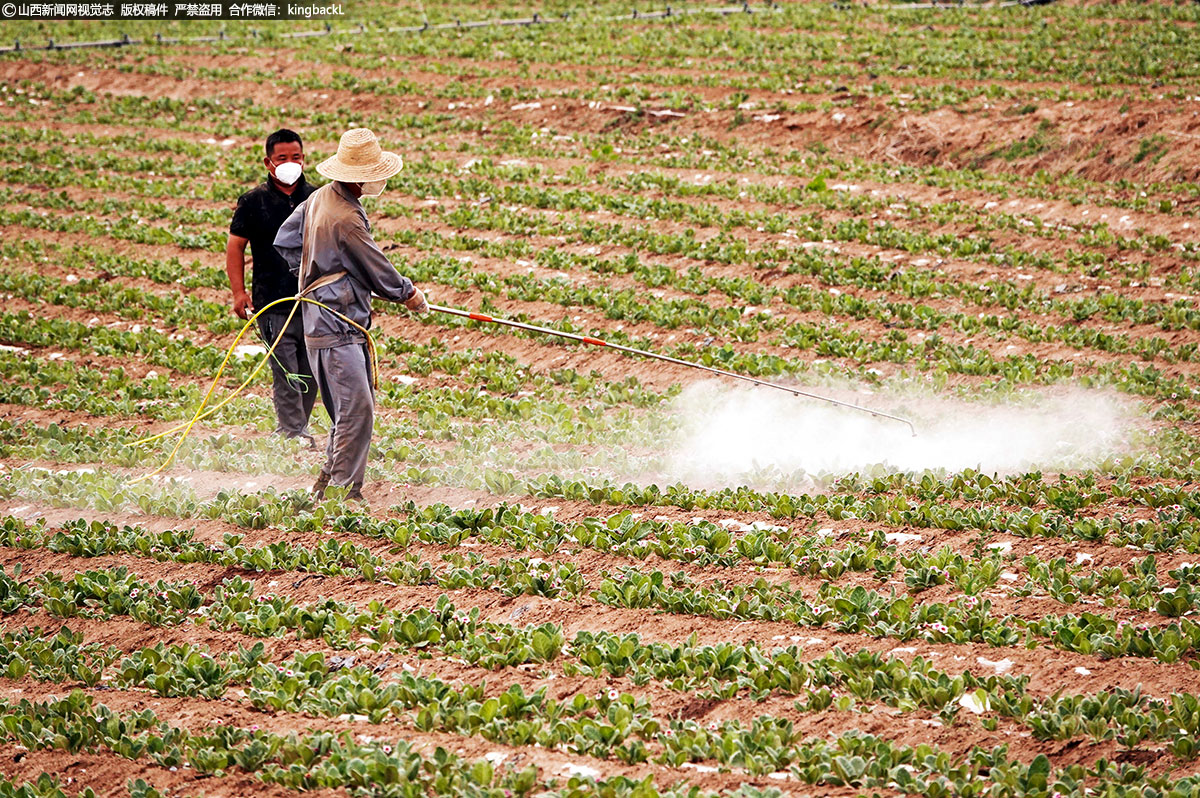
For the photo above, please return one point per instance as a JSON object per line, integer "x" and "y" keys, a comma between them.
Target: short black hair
{"x": 282, "y": 136}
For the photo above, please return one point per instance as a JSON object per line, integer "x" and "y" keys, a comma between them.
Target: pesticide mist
{"x": 767, "y": 439}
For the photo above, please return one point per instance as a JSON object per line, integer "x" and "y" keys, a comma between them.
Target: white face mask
{"x": 373, "y": 188}
{"x": 288, "y": 173}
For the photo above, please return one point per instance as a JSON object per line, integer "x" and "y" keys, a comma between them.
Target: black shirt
{"x": 260, "y": 212}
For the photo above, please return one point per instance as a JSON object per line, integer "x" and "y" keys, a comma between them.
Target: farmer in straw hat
{"x": 327, "y": 242}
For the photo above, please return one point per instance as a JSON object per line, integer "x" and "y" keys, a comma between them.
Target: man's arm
{"x": 377, "y": 272}
{"x": 235, "y": 268}
{"x": 289, "y": 241}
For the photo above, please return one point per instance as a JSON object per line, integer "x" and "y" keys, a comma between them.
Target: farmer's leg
{"x": 319, "y": 360}
{"x": 347, "y": 374}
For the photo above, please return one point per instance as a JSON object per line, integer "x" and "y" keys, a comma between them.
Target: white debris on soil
{"x": 580, "y": 770}
{"x": 700, "y": 768}
{"x": 973, "y": 702}
{"x": 249, "y": 350}
{"x": 902, "y": 537}
{"x": 1081, "y": 558}
{"x": 1004, "y": 547}
{"x": 1082, "y": 671}
{"x": 1001, "y": 666}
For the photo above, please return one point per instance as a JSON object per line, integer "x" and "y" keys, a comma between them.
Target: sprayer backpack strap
{"x": 322, "y": 281}
{"x": 306, "y": 284}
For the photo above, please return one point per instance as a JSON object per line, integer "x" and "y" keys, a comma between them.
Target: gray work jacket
{"x": 327, "y": 234}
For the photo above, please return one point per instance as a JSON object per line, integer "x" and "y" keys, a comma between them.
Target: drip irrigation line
{"x": 587, "y": 339}
{"x": 536, "y": 19}
{"x": 328, "y": 30}
{"x": 947, "y": 5}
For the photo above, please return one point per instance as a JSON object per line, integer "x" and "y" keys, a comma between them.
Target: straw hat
{"x": 360, "y": 159}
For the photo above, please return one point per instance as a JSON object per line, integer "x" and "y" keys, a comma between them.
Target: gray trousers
{"x": 343, "y": 375}
{"x": 293, "y": 396}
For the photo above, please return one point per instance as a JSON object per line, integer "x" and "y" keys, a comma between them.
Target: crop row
{"x": 920, "y": 503}
{"x": 632, "y": 306}
{"x": 687, "y": 151}
{"x": 616, "y": 304}
{"x": 700, "y": 541}
{"x": 850, "y": 610}
{"x": 442, "y": 423}
{"x": 870, "y": 274}
{"x": 536, "y": 186}
{"x": 330, "y": 760}
{"x": 660, "y": 88}
{"x": 309, "y": 683}
{"x": 826, "y": 43}
{"x": 932, "y": 352}
{"x": 696, "y": 152}
{"x": 310, "y": 762}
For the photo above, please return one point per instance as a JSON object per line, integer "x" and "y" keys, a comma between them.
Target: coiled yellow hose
{"x": 201, "y": 413}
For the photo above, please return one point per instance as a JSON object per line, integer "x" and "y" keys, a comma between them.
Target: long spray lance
{"x": 586, "y": 339}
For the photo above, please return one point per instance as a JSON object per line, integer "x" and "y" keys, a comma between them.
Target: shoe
{"x": 355, "y": 495}
{"x": 318, "y": 488}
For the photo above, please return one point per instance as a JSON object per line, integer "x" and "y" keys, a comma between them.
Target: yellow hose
{"x": 201, "y": 413}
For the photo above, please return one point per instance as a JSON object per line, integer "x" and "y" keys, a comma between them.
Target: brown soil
{"x": 1151, "y": 146}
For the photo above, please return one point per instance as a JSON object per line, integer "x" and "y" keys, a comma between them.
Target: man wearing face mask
{"x": 259, "y": 214}
{"x": 327, "y": 242}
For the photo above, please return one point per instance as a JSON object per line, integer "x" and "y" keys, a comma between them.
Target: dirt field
{"x": 893, "y": 207}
